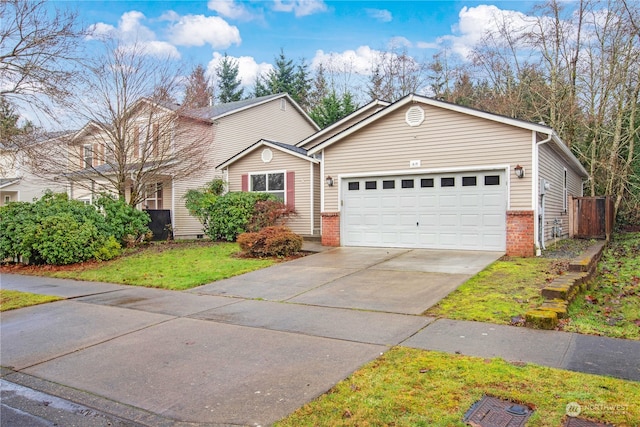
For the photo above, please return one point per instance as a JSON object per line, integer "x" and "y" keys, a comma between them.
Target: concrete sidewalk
{"x": 155, "y": 357}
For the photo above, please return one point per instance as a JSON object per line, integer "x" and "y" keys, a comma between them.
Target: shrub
{"x": 224, "y": 217}
{"x": 61, "y": 239}
{"x": 270, "y": 241}
{"x": 17, "y": 230}
{"x": 109, "y": 250}
{"x": 125, "y": 223}
{"x": 55, "y": 230}
{"x": 268, "y": 213}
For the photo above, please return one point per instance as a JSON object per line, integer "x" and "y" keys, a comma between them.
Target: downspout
{"x": 540, "y": 215}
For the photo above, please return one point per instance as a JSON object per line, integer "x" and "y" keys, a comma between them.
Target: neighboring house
{"x": 19, "y": 181}
{"x": 421, "y": 173}
{"x": 216, "y": 133}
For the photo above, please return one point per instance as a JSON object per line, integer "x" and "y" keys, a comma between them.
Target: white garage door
{"x": 439, "y": 211}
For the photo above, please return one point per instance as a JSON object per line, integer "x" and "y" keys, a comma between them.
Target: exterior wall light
{"x": 329, "y": 181}
{"x": 519, "y": 170}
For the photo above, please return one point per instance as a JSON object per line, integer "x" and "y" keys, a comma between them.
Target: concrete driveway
{"x": 243, "y": 351}
{"x": 406, "y": 281}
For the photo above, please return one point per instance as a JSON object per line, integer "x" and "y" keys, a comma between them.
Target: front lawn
{"x": 503, "y": 291}
{"x": 176, "y": 266}
{"x": 612, "y": 306}
{"x": 11, "y": 300}
{"x": 409, "y": 387}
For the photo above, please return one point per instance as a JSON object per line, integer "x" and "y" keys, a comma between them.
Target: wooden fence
{"x": 592, "y": 217}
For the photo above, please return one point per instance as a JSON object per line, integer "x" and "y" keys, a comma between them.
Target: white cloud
{"x": 248, "y": 68}
{"x": 357, "y": 61}
{"x": 399, "y": 42}
{"x": 196, "y": 30}
{"x": 474, "y": 23}
{"x": 381, "y": 15}
{"x": 131, "y": 31}
{"x": 300, "y": 7}
{"x": 230, "y": 9}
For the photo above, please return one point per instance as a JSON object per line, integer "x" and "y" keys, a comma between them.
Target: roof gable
{"x": 333, "y": 129}
{"x": 285, "y": 148}
{"x": 217, "y": 112}
{"x": 414, "y": 99}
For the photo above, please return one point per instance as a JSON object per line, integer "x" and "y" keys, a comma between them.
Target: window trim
{"x": 266, "y": 173}
{"x": 153, "y": 196}
{"x": 87, "y": 155}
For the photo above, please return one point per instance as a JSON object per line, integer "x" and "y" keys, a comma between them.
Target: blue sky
{"x": 253, "y": 32}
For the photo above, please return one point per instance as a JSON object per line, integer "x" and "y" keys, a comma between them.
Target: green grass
{"x": 408, "y": 387}
{"x": 178, "y": 267}
{"x": 506, "y": 289}
{"x": 11, "y": 300}
{"x": 612, "y": 306}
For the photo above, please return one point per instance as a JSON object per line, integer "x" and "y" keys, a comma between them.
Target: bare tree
{"x": 38, "y": 51}
{"x": 198, "y": 91}
{"x": 609, "y": 90}
{"x": 129, "y": 143}
{"x": 396, "y": 74}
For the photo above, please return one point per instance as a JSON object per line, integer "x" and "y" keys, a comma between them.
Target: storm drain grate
{"x": 581, "y": 422}
{"x": 493, "y": 412}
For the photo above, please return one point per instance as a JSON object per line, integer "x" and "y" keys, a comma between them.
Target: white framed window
{"x": 7, "y": 199}
{"x": 565, "y": 190}
{"x": 269, "y": 182}
{"x": 153, "y": 196}
{"x": 87, "y": 154}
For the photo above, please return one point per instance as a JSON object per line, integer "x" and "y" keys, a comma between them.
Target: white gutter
{"x": 537, "y": 215}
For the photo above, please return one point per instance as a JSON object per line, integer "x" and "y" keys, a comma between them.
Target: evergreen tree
{"x": 302, "y": 85}
{"x": 281, "y": 78}
{"x": 198, "y": 92}
{"x": 286, "y": 77}
{"x": 333, "y": 108}
{"x": 8, "y": 120}
{"x": 229, "y": 89}
{"x": 320, "y": 88}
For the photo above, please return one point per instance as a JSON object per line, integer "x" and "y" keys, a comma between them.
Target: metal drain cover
{"x": 580, "y": 422}
{"x": 493, "y": 412}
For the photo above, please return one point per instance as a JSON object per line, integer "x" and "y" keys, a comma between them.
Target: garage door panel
{"x": 448, "y": 201}
{"x": 371, "y": 219}
{"x": 388, "y": 202}
{"x": 448, "y": 220}
{"x": 470, "y": 220}
{"x": 493, "y": 220}
{"x": 371, "y": 202}
{"x": 455, "y": 217}
{"x": 493, "y": 200}
{"x": 470, "y": 200}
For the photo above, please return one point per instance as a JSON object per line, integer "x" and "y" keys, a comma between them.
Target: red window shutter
{"x": 291, "y": 190}
{"x": 245, "y": 182}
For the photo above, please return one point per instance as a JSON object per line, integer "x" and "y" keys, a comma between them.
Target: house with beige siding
{"x": 422, "y": 173}
{"x": 20, "y": 177}
{"x": 219, "y": 131}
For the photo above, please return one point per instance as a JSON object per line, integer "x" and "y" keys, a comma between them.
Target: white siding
{"x": 446, "y": 139}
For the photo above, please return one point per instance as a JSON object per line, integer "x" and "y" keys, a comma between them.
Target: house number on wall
{"x": 414, "y": 163}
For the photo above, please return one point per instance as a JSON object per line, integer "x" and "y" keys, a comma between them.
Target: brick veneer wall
{"x": 520, "y": 234}
{"x": 330, "y": 228}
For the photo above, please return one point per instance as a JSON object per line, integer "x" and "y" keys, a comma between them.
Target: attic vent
{"x": 267, "y": 155}
{"x": 414, "y": 116}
